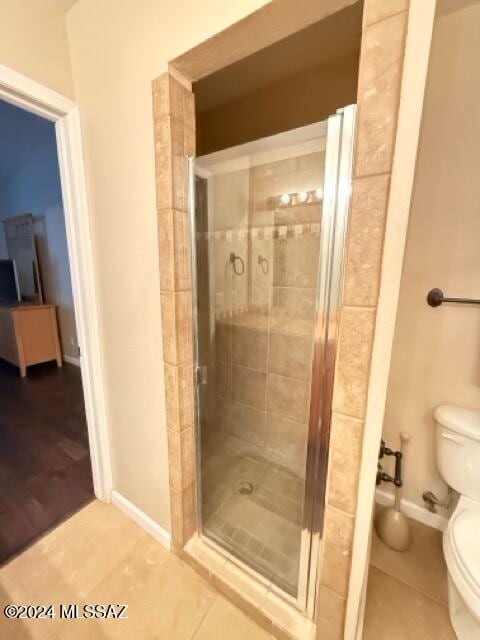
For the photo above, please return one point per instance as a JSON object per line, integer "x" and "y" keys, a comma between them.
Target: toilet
{"x": 457, "y": 442}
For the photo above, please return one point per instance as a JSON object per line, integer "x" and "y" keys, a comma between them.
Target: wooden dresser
{"x": 29, "y": 335}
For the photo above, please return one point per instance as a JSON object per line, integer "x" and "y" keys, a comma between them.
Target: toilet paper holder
{"x": 382, "y": 476}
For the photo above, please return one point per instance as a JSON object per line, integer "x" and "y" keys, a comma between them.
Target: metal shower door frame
{"x": 336, "y": 204}
{"x": 336, "y": 201}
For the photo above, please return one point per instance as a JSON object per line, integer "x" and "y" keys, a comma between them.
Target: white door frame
{"x": 27, "y": 94}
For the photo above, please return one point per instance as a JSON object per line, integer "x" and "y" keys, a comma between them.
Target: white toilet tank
{"x": 457, "y": 443}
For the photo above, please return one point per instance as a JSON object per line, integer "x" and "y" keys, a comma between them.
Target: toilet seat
{"x": 461, "y": 545}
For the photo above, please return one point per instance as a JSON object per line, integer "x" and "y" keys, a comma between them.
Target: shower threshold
{"x": 259, "y": 598}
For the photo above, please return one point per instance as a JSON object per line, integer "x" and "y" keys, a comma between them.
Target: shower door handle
{"x": 202, "y": 375}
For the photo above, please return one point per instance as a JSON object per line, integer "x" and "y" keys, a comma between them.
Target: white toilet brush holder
{"x": 391, "y": 524}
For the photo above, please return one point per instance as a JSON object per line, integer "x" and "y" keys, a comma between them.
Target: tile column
{"x": 174, "y": 126}
{"x": 381, "y": 64}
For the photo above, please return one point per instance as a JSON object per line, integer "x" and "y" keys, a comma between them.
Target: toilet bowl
{"x": 458, "y": 461}
{"x": 461, "y": 546}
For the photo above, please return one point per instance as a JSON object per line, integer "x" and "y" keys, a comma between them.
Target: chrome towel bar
{"x": 435, "y": 298}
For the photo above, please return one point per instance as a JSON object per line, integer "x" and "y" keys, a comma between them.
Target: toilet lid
{"x": 465, "y": 537}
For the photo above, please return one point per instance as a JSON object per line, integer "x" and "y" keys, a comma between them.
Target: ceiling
{"x": 336, "y": 37}
{"x": 21, "y": 133}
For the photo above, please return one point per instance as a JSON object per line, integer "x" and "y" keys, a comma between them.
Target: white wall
{"x": 36, "y": 189}
{"x": 436, "y": 353}
{"x": 117, "y": 48}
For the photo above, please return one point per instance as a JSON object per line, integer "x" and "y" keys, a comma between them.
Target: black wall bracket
{"x": 382, "y": 476}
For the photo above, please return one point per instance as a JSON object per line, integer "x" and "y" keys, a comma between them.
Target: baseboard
{"x": 141, "y": 518}
{"x": 71, "y": 360}
{"x": 414, "y": 511}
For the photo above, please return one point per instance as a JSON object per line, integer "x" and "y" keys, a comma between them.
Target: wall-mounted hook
{"x": 238, "y": 271}
{"x": 263, "y": 262}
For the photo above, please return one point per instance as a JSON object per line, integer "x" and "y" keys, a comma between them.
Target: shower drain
{"x": 245, "y": 487}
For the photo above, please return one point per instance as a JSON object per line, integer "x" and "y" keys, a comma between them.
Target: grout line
{"x": 337, "y": 595}
{"x": 365, "y": 176}
{"x": 384, "y": 19}
{"x": 166, "y": 210}
{"x": 346, "y": 415}
{"x": 209, "y": 608}
{"x": 410, "y": 586}
{"x": 345, "y": 513}
{"x": 267, "y": 379}
{"x": 360, "y": 306}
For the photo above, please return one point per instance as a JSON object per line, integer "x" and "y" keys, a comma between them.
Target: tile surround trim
{"x": 171, "y": 190}
{"x": 254, "y": 595}
{"x": 346, "y": 435}
{"x": 359, "y": 313}
{"x": 380, "y": 76}
{"x": 174, "y": 124}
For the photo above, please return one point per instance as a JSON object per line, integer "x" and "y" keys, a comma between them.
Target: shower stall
{"x": 268, "y": 223}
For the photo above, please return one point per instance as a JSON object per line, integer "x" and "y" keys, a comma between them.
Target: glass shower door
{"x": 265, "y": 236}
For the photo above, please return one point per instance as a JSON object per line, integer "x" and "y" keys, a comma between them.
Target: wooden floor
{"x": 45, "y": 472}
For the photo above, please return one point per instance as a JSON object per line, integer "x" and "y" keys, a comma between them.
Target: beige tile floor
{"x": 407, "y": 592}
{"x": 421, "y": 567}
{"x": 100, "y": 556}
{"x": 395, "y": 611}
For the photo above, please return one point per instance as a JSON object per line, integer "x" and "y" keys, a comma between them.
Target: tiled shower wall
{"x": 261, "y": 346}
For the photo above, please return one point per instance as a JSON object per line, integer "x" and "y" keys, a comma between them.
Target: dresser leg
{"x": 23, "y": 371}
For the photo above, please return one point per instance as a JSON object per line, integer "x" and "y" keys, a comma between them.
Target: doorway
{"x": 269, "y": 220}
{"x": 44, "y": 453}
{"x": 61, "y": 113}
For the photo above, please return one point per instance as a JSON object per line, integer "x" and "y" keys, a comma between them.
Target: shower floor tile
{"x": 261, "y": 528}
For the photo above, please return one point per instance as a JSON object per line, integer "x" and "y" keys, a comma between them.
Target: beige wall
{"x": 310, "y": 96}
{"x": 118, "y": 47}
{"x": 33, "y": 41}
{"x": 436, "y": 353}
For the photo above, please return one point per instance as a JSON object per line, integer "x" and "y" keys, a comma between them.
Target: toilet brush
{"x": 391, "y": 524}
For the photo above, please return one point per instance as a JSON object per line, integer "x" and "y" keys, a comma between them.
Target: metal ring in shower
{"x": 263, "y": 262}
{"x": 233, "y": 259}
